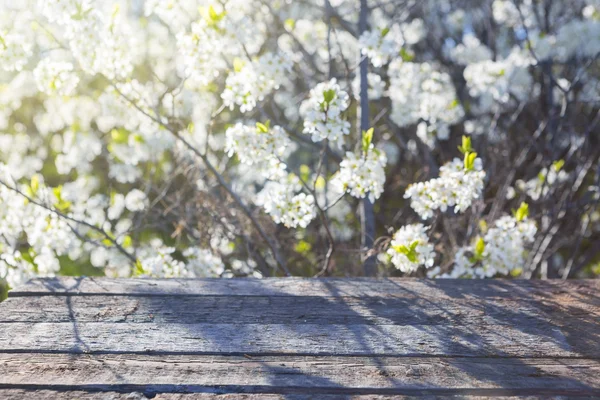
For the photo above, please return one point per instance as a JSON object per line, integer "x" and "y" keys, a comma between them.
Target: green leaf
{"x": 127, "y": 242}
{"x": 304, "y": 172}
{"x": 119, "y": 136}
{"x": 35, "y": 184}
{"x": 558, "y": 165}
{"x": 541, "y": 176}
{"x": 290, "y": 24}
{"x": 328, "y": 96}
{"x": 320, "y": 183}
{"x": 262, "y": 128}
{"x": 57, "y": 192}
{"x": 211, "y": 16}
{"x": 466, "y": 145}
{"x": 116, "y": 10}
{"x": 410, "y": 252}
{"x": 28, "y": 255}
{"x": 469, "y": 161}
{"x": 238, "y": 64}
{"x": 367, "y": 139}
{"x": 385, "y": 31}
{"x": 214, "y": 15}
{"x": 138, "y": 269}
{"x": 61, "y": 204}
{"x": 516, "y": 272}
{"x": 522, "y": 212}
{"x": 401, "y": 249}
{"x": 303, "y": 247}
{"x": 414, "y": 245}
{"x": 406, "y": 56}
{"x": 479, "y": 248}
{"x": 483, "y": 226}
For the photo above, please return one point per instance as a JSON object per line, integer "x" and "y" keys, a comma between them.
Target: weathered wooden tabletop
{"x": 299, "y": 338}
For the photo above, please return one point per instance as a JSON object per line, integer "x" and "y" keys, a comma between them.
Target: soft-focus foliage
{"x": 196, "y": 138}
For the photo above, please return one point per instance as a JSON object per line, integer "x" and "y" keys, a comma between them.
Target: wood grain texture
{"x": 365, "y": 339}
{"x": 294, "y": 310}
{"x": 275, "y": 373}
{"x": 408, "y": 288}
{"x": 18, "y": 394}
{"x": 299, "y": 339}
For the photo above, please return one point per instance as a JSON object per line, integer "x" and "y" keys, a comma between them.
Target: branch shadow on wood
{"x": 491, "y": 335}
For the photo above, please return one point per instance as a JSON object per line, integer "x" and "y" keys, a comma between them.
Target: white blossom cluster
{"x": 362, "y": 174}
{"x": 196, "y": 49}
{"x": 255, "y": 80}
{"x": 55, "y": 77}
{"x": 103, "y": 98}
{"x": 384, "y": 44}
{"x": 48, "y": 235}
{"x": 136, "y": 200}
{"x": 499, "y": 81}
{"x": 323, "y": 110}
{"x": 174, "y": 13}
{"x": 420, "y": 92}
{"x": 580, "y": 39}
{"x": 410, "y": 248}
{"x": 61, "y": 112}
{"x": 282, "y": 202}
{"x": 256, "y": 144}
{"x": 375, "y": 88}
{"x": 504, "y": 251}
{"x": 543, "y": 182}
{"x": 455, "y": 187}
{"x": 379, "y": 45}
{"x": 135, "y": 137}
{"x": 470, "y": 51}
{"x": 20, "y": 155}
{"x": 505, "y": 12}
{"x": 221, "y": 33}
{"x": 101, "y": 40}
{"x": 14, "y": 267}
{"x": 156, "y": 260}
{"x": 114, "y": 263}
{"x": 76, "y": 150}
{"x": 15, "y": 51}
{"x": 203, "y": 263}
{"x": 413, "y": 31}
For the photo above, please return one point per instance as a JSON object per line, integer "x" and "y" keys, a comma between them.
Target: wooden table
{"x": 84, "y": 338}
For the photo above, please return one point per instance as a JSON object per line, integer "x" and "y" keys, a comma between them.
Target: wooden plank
{"x": 295, "y": 310}
{"x": 299, "y": 339}
{"x": 448, "y": 340}
{"x": 330, "y": 287}
{"x": 19, "y": 394}
{"x": 281, "y": 374}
